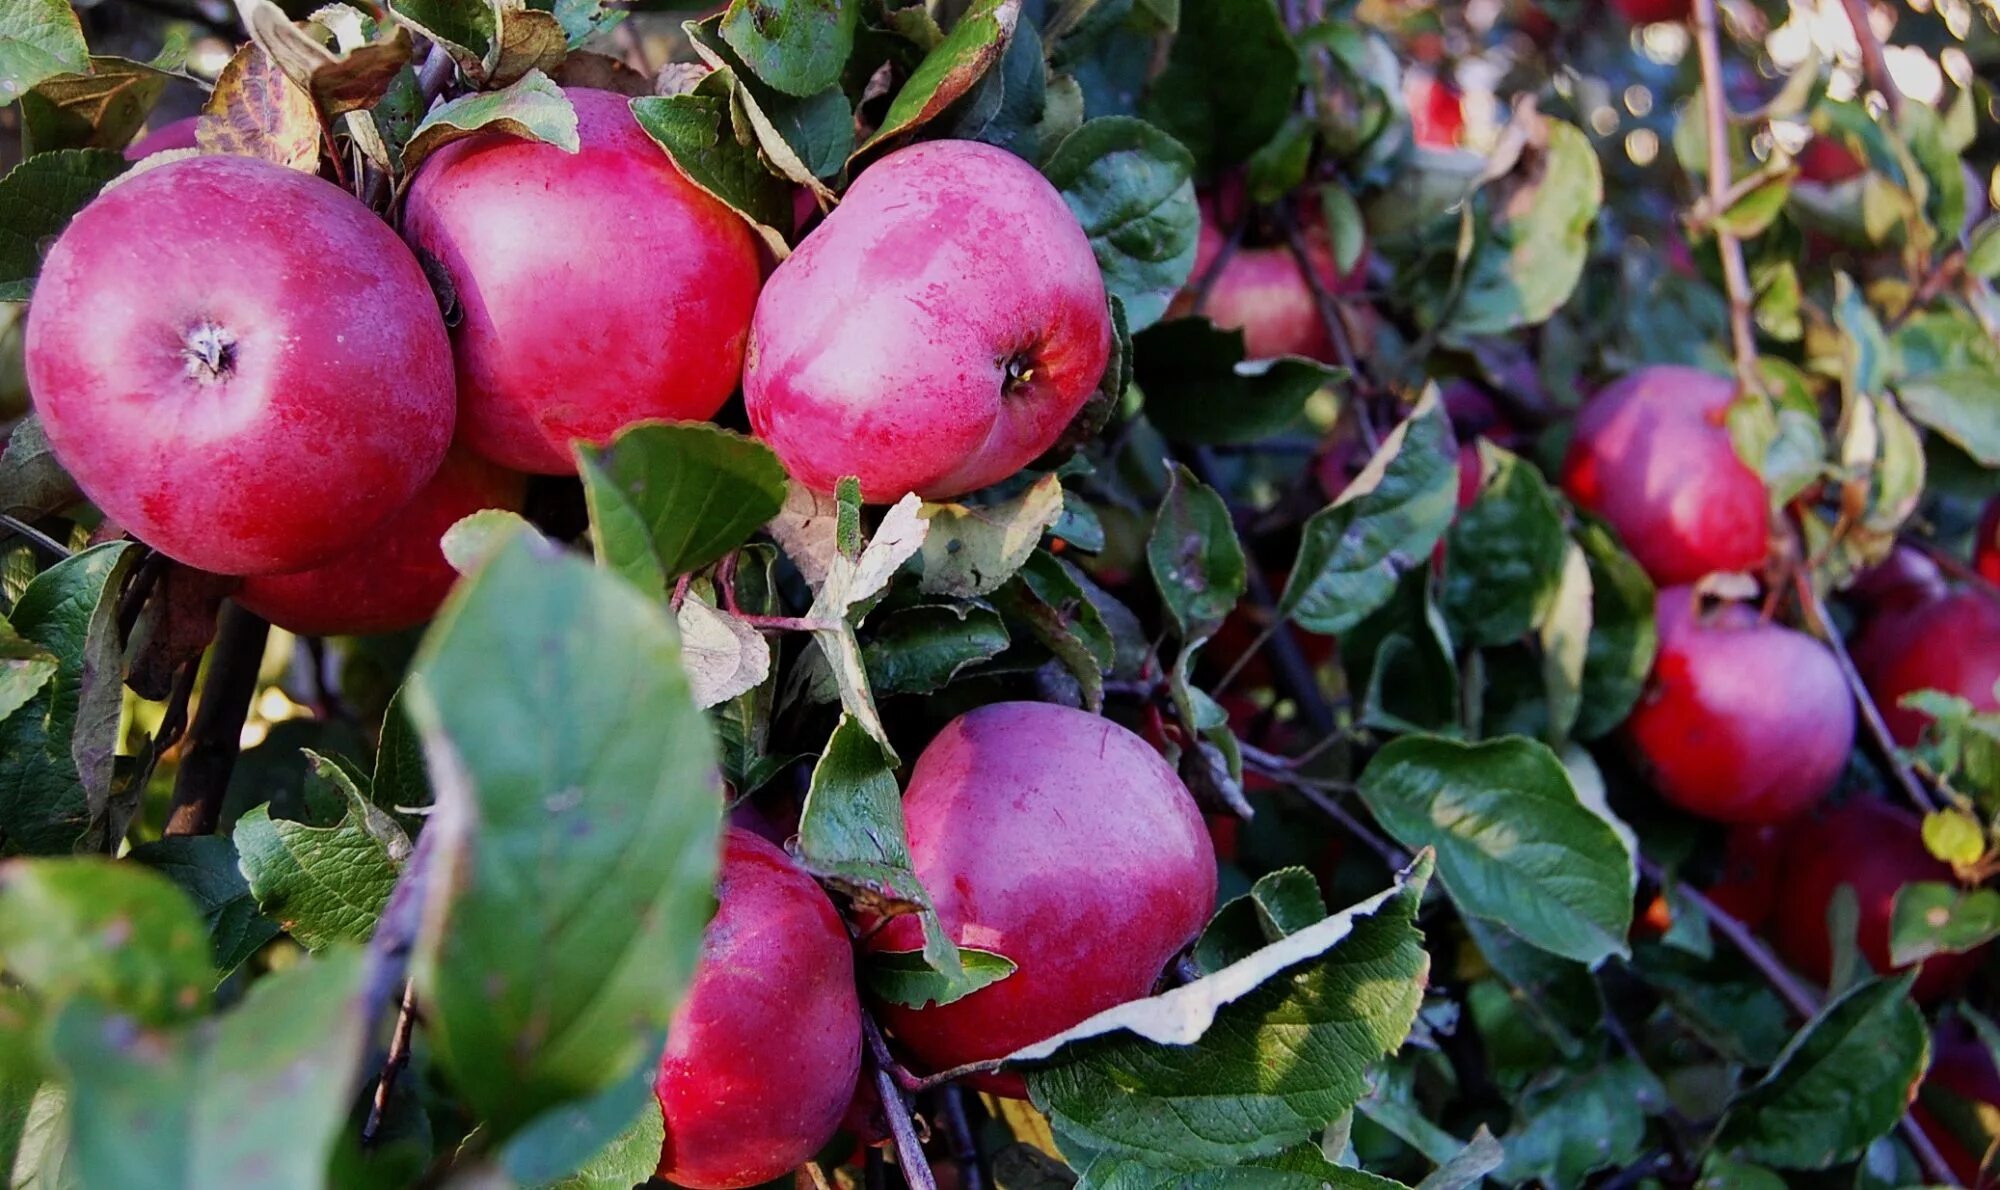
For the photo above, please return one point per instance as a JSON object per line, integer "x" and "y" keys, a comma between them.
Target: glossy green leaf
{"x": 1131, "y": 187}
{"x": 1229, "y": 82}
{"x": 974, "y": 44}
{"x": 1200, "y": 388}
{"x": 1515, "y": 843}
{"x": 1964, "y": 406}
{"x": 532, "y": 108}
{"x": 797, "y": 46}
{"x": 38, "y": 197}
{"x": 1504, "y": 554}
{"x": 694, "y": 130}
{"x": 1528, "y": 261}
{"x": 568, "y": 759}
{"x": 1196, "y": 561}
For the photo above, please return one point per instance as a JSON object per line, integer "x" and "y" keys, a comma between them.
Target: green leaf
{"x": 204, "y": 868}
{"x": 400, "y": 784}
{"x": 37, "y": 200}
{"x": 974, "y": 44}
{"x": 38, "y": 39}
{"x": 1200, "y": 388}
{"x": 1528, "y": 261}
{"x": 466, "y": 28}
{"x": 1964, "y": 406}
{"x": 797, "y": 46}
{"x": 115, "y": 933}
{"x": 1932, "y": 917}
{"x": 919, "y": 649}
{"x": 1301, "y": 1167}
{"x": 971, "y": 550}
{"x": 102, "y": 108}
{"x": 1585, "y": 1121}
{"x": 33, "y": 483}
{"x": 1515, "y": 843}
{"x": 851, "y": 834}
{"x": 476, "y": 537}
{"x": 1982, "y": 253}
{"x": 1229, "y": 82}
{"x": 803, "y": 139}
{"x": 55, "y": 750}
{"x": 1279, "y": 904}
{"x": 25, "y": 667}
{"x": 532, "y": 108}
{"x": 1187, "y": 1079}
{"x": 1131, "y": 187}
{"x": 1755, "y": 210}
{"x": 1844, "y": 1080}
{"x": 1047, "y": 596}
{"x": 1385, "y": 523}
{"x": 1564, "y": 636}
{"x": 254, "y": 1098}
{"x": 907, "y": 978}
{"x": 667, "y": 498}
{"x": 1503, "y": 555}
{"x": 1196, "y": 561}
{"x": 611, "y": 1141}
{"x": 323, "y": 884}
{"x": 1623, "y": 637}
{"x": 694, "y": 131}
{"x": 22, "y": 1073}
{"x": 743, "y": 724}
{"x": 569, "y": 761}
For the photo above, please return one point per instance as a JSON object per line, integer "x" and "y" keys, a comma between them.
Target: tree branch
{"x": 1874, "y": 61}
{"x": 35, "y": 537}
{"x": 217, "y": 734}
{"x": 909, "y": 1150}
{"x": 1358, "y": 383}
{"x": 1742, "y": 331}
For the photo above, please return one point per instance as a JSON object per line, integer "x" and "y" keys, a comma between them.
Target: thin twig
{"x": 1736, "y": 278}
{"x": 1871, "y": 715}
{"x": 1358, "y": 383}
{"x": 1874, "y": 62}
{"x": 217, "y": 734}
{"x": 144, "y": 579}
{"x": 399, "y": 1057}
{"x": 35, "y": 537}
{"x": 909, "y": 1150}
{"x": 964, "y": 1142}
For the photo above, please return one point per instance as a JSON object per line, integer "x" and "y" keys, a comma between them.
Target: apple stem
{"x": 1796, "y": 995}
{"x": 1736, "y": 278}
{"x": 1874, "y": 62}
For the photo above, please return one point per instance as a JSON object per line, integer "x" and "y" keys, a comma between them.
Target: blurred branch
{"x": 1874, "y": 62}
{"x": 964, "y": 1142}
{"x": 399, "y": 1057}
{"x": 1359, "y": 386}
{"x": 1796, "y": 995}
{"x": 217, "y": 734}
{"x": 34, "y": 537}
{"x": 1742, "y": 331}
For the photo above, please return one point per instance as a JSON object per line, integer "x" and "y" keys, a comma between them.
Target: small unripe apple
{"x": 935, "y": 334}
{"x": 1653, "y": 12}
{"x": 763, "y": 1052}
{"x": 1742, "y": 721}
{"x": 397, "y": 577}
{"x": 1062, "y": 841}
{"x": 240, "y": 364}
{"x": 1949, "y": 643}
{"x": 1261, "y": 290}
{"x": 178, "y": 134}
{"x": 595, "y": 289}
{"x": 1986, "y": 545}
{"x": 1826, "y": 162}
{"x": 1877, "y": 848}
{"x": 1652, "y": 456}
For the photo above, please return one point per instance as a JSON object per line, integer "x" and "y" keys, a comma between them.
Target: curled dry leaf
{"x": 258, "y": 111}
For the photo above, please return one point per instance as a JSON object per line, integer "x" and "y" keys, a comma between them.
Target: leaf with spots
{"x": 116, "y": 933}
{"x": 256, "y": 110}
{"x": 972, "y": 549}
{"x": 1196, "y": 561}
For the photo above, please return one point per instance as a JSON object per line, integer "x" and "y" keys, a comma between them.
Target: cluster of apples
{"x": 1746, "y": 721}
{"x": 244, "y": 367}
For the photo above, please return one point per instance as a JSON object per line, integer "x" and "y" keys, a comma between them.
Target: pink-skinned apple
{"x": 1260, "y": 288}
{"x": 240, "y": 364}
{"x": 1742, "y": 721}
{"x": 177, "y": 134}
{"x": 936, "y": 333}
{"x": 398, "y": 576}
{"x": 1949, "y": 643}
{"x": 1064, "y": 842}
{"x": 1652, "y": 456}
{"x": 763, "y": 1052}
{"x": 595, "y": 289}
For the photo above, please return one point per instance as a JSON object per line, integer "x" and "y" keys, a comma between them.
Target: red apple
{"x": 176, "y": 135}
{"x": 397, "y": 577}
{"x": 1742, "y": 721}
{"x": 1652, "y": 12}
{"x": 1261, "y": 290}
{"x": 1652, "y": 456}
{"x": 1877, "y": 848}
{"x": 1902, "y": 581}
{"x": 1437, "y": 111}
{"x": 1826, "y": 162}
{"x": 1986, "y": 545}
{"x": 1950, "y": 643}
{"x": 763, "y": 1053}
{"x": 240, "y": 364}
{"x": 1752, "y": 868}
{"x": 938, "y": 331}
{"x": 596, "y": 288}
{"x": 1062, "y": 841}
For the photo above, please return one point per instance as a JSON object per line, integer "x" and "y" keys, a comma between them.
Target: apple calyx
{"x": 210, "y": 352}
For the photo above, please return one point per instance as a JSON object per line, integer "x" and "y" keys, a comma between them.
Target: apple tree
{"x": 999, "y": 594}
